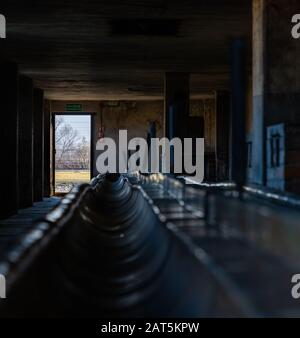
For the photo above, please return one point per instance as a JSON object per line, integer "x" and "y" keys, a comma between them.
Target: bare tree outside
{"x": 66, "y": 139}
{"x": 82, "y": 153}
{"x": 72, "y": 157}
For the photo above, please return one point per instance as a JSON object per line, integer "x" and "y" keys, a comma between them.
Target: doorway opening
{"x": 72, "y": 151}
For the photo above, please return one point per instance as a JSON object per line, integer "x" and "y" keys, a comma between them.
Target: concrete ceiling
{"x": 76, "y": 49}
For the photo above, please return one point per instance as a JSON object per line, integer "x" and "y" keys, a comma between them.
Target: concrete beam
{"x": 223, "y": 100}
{"x": 177, "y": 104}
{"x": 257, "y": 172}
{"x": 238, "y": 147}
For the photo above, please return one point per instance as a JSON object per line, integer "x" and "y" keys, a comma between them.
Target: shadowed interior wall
{"x": 9, "y": 87}
{"x": 25, "y": 151}
{"x": 276, "y": 98}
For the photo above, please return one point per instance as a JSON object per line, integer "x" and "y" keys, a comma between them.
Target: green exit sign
{"x": 73, "y": 107}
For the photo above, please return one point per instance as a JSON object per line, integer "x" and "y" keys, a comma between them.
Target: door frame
{"x": 92, "y": 142}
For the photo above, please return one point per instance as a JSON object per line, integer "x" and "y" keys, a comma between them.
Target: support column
{"x": 222, "y": 134}
{"x": 257, "y": 173}
{"x": 9, "y": 139}
{"x": 26, "y": 143}
{"x": 238, "y": 147}
{"x": 47, "y": 148}
{"x": 276, "y": 98}
{"x": 177, "y": 104}
{"x": 38, "y": 144}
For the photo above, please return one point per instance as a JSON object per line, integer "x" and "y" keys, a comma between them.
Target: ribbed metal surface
{"x": 151, "y": 246}
{"x": 106, "y": 250}
{"x": 119, "y": 259}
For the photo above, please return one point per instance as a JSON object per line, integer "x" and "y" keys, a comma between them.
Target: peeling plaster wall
{"x": 134, "y": 116}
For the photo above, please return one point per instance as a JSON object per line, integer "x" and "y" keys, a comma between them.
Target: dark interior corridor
{"x": 151, "y": 243}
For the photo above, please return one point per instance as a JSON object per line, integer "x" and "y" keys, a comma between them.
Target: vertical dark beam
{"x": 93, "y": 145}
{"x": 47, "y": 148}
{"x": 177, "y": 104}
{"x": 222, "y": 134}
{"x": 25, "y": 142}
{"x": 259, "y": 112}
{"x": 38, "y": 144}
{"x": 238, "y": 149}
{"x": 52, "y": 158}
{"x": 9, "y": 139}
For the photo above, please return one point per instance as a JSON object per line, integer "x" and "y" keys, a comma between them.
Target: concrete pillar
{"x": 177, "y": 104}
{"x": 25, "y": 142}
{"x": 238, "y": 149}
{"x": 47, "y": 148}
{"x": 9, "y": 139}
{"x": 38, "y": 144}
{"x": 52, "y": 152}
{"x": 276, "y": 95}
{"x": 257, "y": 173}
{"x": 223, "y": 100}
